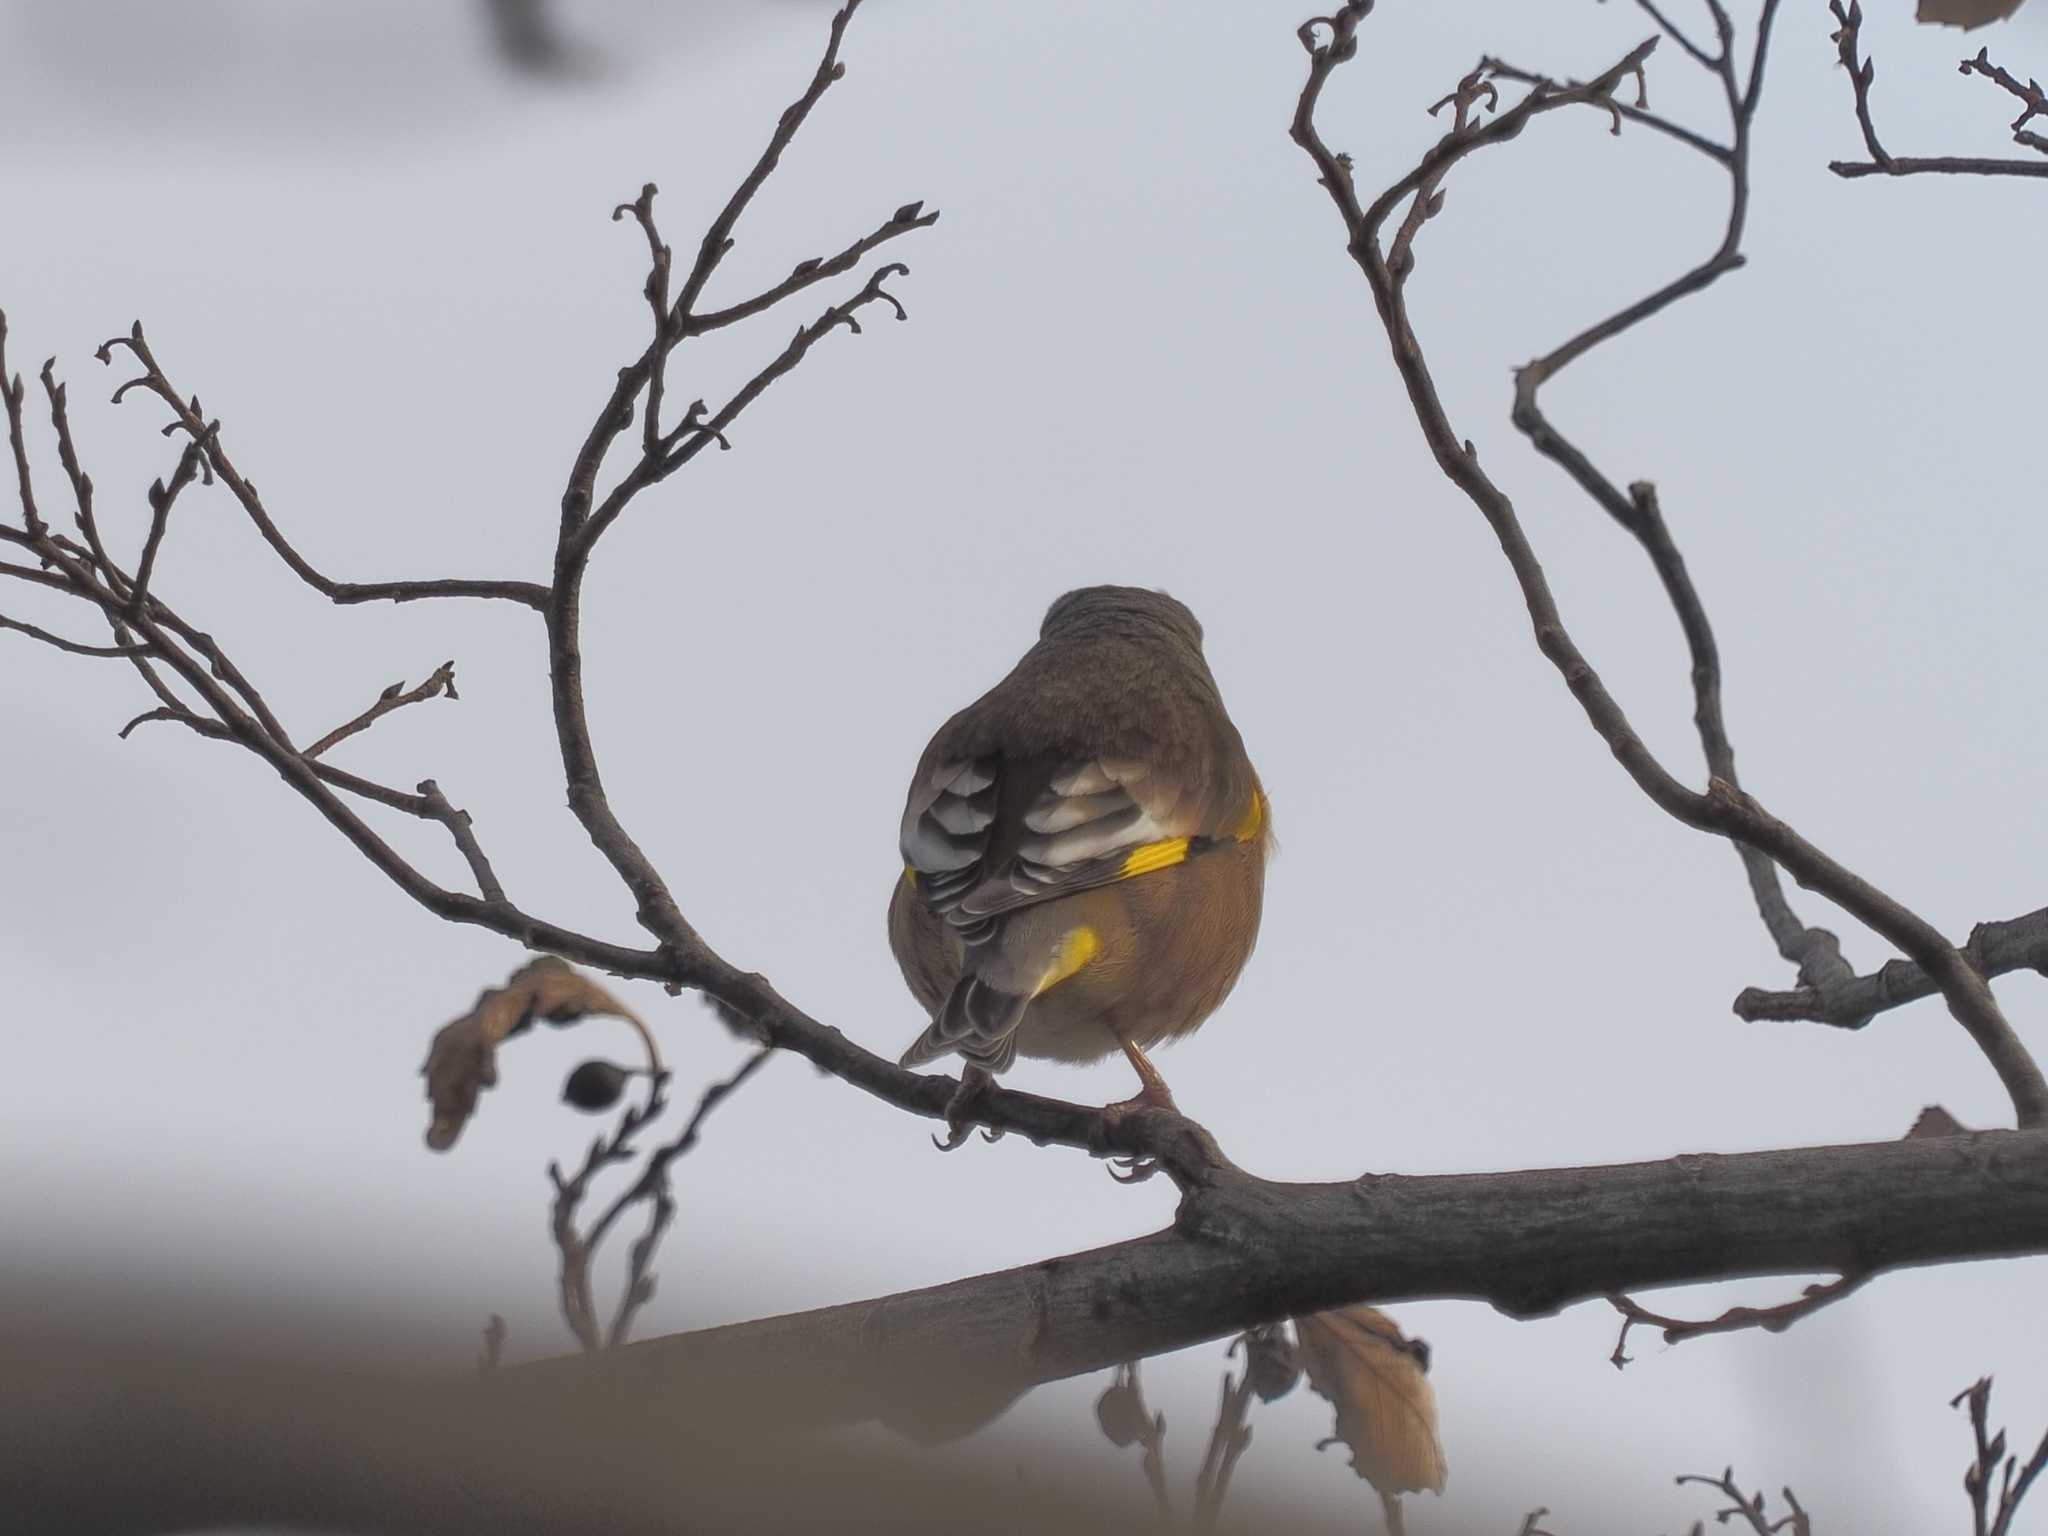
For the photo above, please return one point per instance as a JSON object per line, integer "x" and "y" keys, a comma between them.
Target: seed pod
{"x": 595, "y": 1085}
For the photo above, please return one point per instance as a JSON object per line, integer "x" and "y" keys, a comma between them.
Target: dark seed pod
{"x": 1118, "y": 1413}
{"x": 595, "y": 1085}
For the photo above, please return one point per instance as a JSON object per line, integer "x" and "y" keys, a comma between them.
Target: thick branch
{"x": 1245, "y": 1252}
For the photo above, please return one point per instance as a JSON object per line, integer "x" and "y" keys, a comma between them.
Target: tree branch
{"x": 1863, "y": 72}
{"x": 1245, "y": 1251}
{"x": 186, "y": 416}
{"x": 1994, "y": 949}
{"x": 1723, "y": 808}
{"x": 439, "y": 682}
{"x": 1735, "y": 1320}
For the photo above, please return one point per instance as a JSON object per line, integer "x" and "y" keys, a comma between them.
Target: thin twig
{"x": 653, "y": 1186}
{"x": 186, "y": 417}
{"x": 579, "y": 1309}
{"x": 161, "y": 499}
{"x": 440, "y": 682}
{"x": 13, "y": 391}
{"x": 2032, "y": 99}
{"x": 1750, "y": 1508}
{"x": 1736, "y": 1319}
{"x": 1863, "y": 71}
{"x": 1228, "y": 1441}
{"x": 72, "y": 647}
{"x": 1992, "y": 1460}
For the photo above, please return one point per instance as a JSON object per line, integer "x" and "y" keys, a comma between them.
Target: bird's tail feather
{"x": 979, "y": 1021}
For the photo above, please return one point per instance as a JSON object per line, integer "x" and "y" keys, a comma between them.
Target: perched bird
{"x": 1084, "y": 850}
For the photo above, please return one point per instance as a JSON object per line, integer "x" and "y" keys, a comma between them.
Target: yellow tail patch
{"x": 1077, "y": 948}
{"x": 1150, "y": 856}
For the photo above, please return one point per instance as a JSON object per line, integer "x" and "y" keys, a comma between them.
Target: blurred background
{"x": 375, "y": 240}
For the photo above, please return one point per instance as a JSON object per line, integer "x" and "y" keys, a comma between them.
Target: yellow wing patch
{"x": 1077, "y": 947}
{"x": 1254, "y": 819}
{"x": 1150, "y": 856}
{"x": 910, "y": 876}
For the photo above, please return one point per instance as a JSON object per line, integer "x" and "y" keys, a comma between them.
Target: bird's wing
{"x": 986, "y": 837}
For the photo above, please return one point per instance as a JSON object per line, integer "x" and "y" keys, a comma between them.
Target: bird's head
{"x": 1120, "y": 608}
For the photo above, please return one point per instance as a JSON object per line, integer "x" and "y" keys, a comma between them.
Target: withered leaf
{"x": 1374, "y": 1375}
{"x": 1966, "y": 13}
{"x": 463, "y": 1060}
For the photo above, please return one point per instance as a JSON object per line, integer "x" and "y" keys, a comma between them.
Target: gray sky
{"x": 1137, "y": 354}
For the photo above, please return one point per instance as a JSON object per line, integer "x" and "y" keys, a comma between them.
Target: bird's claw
{"x": 957, "y": 1134}
{"x": 973, "y": 1084}
{"x": 1136, "y": 1169}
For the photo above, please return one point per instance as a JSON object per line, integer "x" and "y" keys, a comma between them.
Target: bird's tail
{"x": 979, "y": 1020}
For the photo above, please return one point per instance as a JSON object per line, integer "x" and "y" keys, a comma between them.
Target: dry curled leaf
{"x": 1966, "y": 13}
{"x": 1374, "y": 1375}
{"x": 463, "y": 1060}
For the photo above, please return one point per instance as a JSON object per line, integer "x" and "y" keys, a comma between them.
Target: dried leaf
{"x": 463, "y": 1060}
{"x": 1374, "y": 1375}
{"x": 1966, "y": 13}
{"x": 1271, "y": 1363}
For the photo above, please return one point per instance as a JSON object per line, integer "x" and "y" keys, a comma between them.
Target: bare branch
{"x": 1863, "y": 71}
{"x": 579, "y": 1309}
{"x": 186, "y": 417}
{"x": 1723, "y": 808}
{"x": 653, "y": 1187}
{"x": 1750, "y": 1508}
{"x": 439, "y": 682}
{"x": 161, "y": 498}
{"x": 1228, "y": 1441}
{"x": 1500, "y": 69}
{"x": 71, "y": 647}
{"x": 1992, "y": 1461}
{"x": 1994, "y": 949}
{"x": 2033, "y": 101}
{"x": 13, "y": 391}
{"x": 1245, "y": 1251}
{"x": 1736, "y": 1319}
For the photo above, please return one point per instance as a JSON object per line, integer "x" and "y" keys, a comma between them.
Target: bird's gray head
{"x": 1120, "y": 608}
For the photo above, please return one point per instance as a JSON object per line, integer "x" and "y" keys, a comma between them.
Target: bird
{"x": 1084, "y": 852}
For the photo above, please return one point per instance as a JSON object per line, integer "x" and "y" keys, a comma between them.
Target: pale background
{"x": 1136, "y": 354}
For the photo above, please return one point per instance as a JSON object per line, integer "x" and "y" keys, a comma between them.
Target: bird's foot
{"x": 974, "y": 1085}
{"x": 1153, "y": 1095}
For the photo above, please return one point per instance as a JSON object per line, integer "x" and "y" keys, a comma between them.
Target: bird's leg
{"x": 973, "y": 1084}
{"x": 1152, "y": 1090}
{"x": 1152, "y": 1094}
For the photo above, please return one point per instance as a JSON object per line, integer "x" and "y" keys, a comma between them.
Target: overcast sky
{"x": 1136, "y": 353}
